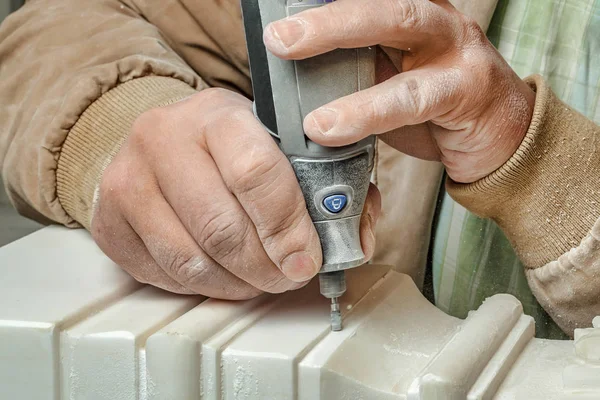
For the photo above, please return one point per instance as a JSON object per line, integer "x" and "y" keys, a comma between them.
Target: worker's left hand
{"x": 456, "y": 99}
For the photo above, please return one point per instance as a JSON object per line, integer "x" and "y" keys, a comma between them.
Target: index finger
{"x": 263, "y": 181}
{"x": 402, "y": 24}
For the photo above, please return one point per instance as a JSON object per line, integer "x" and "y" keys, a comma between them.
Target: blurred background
{"x": 8, "y": 6}
{"x": 12, "y": 225}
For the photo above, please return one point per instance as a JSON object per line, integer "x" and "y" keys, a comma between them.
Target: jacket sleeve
{"x": 546, "y": 199}
{"x": 75, "y": 74}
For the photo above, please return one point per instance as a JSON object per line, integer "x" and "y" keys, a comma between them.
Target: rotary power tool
{"x": 334, "y": 180}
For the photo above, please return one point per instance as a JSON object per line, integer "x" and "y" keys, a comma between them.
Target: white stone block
{"x": 74, "y": 326}
{"x": 49, "y": 280}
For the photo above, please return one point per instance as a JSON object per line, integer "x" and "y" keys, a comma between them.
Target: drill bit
{"x": 336, "y": 316}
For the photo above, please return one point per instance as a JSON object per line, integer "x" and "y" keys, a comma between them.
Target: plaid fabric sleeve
{"x": 472, "y": 259}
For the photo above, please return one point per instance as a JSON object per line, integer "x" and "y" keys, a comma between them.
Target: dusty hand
{"x": 200, "y": 200}
{"x": 456, "y": 100}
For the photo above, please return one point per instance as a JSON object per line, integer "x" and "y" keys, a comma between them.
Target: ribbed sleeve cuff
{"x": 545, "y": 197}
{"x": 99, "y": 133}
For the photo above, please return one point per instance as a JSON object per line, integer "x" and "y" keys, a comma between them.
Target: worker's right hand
{"x": 201, "y": 200}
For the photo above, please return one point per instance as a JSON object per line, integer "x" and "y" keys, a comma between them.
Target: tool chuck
{"x": 333, "y": 285}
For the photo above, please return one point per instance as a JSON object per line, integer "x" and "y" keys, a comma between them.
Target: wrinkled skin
{"x": 456, "y": 101}
{"x": 200, "y": 200}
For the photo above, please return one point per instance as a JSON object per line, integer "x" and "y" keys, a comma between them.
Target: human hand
{"x": 456, "y": 100}
{"x": 201, "y": 200}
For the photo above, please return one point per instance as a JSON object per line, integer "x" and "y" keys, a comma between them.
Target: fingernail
{"x": 322, "y": 121}
{"x": 281, "y": 35}
{"x": 299, "y": 267}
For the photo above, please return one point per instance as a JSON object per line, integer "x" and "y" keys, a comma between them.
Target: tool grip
{"x": 335, "y": 191}
{"x": 334, "y": 180}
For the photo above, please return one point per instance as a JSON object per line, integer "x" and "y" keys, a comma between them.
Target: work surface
{"x": 74, "y": 326}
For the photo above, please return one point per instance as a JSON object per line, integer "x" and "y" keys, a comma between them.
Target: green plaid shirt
{"x": 472, "y": 259}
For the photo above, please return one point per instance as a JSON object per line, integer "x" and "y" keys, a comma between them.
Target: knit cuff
{"x": 99, "y": 133}
{"x": 545, "y": 197}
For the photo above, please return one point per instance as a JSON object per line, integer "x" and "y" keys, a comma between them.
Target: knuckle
{"x": 405, "y": 13}
{"x": 223, "y": 102}
{"x": 487, "y": 77}
{"x": 174, "y": 259}
{"x": 260, "y": 168}
{"x": 185, "y": 265}
{"x": 147, "y": 122}
{"x": 471, "y": 33}
{"x": 236, "y": 116}
{"x": 481, "y": 73}
{"x": 199, "y": 274}
{"x": 147, "y": 131}
{"x": 224, "y": 233}
{"x": 213, "y": 95}
{"x": 278, "y": 227}
{"x": 409, "y": 96}
{"x": 491, "y": 70}
{"x": 227, "y": 116}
